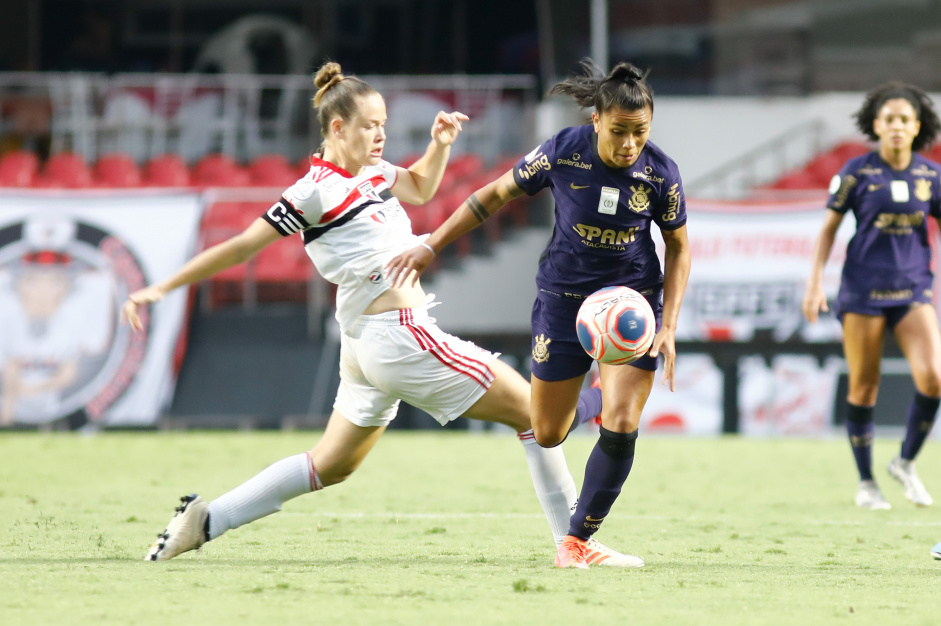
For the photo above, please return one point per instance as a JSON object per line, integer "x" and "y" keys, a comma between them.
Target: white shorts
{"x": 403, "y": 355}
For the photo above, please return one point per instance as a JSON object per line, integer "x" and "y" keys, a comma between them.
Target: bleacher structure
{"x": 207, "y": 134}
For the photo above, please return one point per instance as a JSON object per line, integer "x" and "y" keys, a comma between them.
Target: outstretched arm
{"x": 815, "y": 300}
{"x": 207, "y": 263}
{"x": 474, "y": 211}
{"x": 419, "y": 183}
{"x": 676, "y": 263}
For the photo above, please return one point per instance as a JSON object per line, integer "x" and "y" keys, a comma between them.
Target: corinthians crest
{"x": 639, "y": 201}
{"x": 923, "y": 189}
{"x": 541, "y": 348}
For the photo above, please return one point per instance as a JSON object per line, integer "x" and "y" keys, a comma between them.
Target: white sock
{"x": 554, "y": 484}
{"x": 263, "y": 494}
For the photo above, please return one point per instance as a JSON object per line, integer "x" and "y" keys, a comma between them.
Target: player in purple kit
{"x": 610, "y": 185}
{"x": 887, "y": 279}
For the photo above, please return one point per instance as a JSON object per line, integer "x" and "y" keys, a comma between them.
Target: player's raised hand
{"x": 815, "y": 300}
{"x": 447, "y": 126}
{"x": 140, "y": 297}
{"x": 410, "y": 264}
{"x": 665, "y": 342}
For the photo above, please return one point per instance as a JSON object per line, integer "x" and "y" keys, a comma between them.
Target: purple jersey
{"x": 888, "y": 259}
{"x": 602, "y": 215}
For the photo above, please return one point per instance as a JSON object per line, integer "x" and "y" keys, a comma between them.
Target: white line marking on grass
{"x": 656, "y": 518}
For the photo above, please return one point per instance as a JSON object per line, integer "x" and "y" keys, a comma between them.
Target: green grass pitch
{"x": 443, "y": 528}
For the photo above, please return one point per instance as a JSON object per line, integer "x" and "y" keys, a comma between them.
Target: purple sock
{"x": 589, "y": 407}
{"x": 608, "y": 467}
{"x": 860, "y": 427}
{"x": 921, "y": 414}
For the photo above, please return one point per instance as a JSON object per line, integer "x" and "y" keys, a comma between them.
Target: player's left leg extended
{"x": 339, "y": 452}
{"x": 918, "y": 336}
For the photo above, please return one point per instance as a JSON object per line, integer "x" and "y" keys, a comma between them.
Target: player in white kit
{"x": 347, "y": 211}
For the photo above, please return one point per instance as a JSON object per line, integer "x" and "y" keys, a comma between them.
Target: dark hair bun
{"x": 626, "y": 72}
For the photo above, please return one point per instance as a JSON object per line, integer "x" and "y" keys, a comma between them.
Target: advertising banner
{"x": 67, "y": 262}
{"x": 750, "y": 265}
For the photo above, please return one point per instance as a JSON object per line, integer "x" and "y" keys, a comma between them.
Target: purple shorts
{"x": 557, "y": 354}
{"x": 891, "y": 304}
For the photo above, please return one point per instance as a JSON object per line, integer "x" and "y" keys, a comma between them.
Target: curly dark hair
{"x": 625, "y": 87}
{"x": 924, "y": 110}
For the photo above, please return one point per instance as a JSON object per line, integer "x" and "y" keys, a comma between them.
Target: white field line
{"x": 658, "y": 518}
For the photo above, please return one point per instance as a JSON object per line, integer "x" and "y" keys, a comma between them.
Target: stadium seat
{"x": 849, "y": 150}
{"x": 272, "y": 170}
{"x": 465, "y": 165}
{"x": 117, "y": 170}
{"x": 65, "y": 170}
{"x": 302, "y": 167}
{"x": 935, "y": 153}
{"x": 825, "y": 167}
{"x": 219, "y": 170}
{"x": 168, "y": 170}
{"x": 18, "y": 168}
{"x": 800, "y": 179}
{"x": 283, "y": 261}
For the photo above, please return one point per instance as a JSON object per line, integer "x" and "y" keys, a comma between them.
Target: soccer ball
{"x": 615, "y": 325}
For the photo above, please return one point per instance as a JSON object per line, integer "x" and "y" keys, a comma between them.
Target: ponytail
{"x": 625, "y": 87}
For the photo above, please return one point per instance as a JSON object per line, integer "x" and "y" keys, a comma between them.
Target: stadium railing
{"x": 193, "y": 115}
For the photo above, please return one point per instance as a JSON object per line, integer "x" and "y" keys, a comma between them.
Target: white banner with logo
{"x": 750, "y": 264}
{"x": 67, "y": 262}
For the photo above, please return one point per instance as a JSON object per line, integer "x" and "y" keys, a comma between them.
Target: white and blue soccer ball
{"x": 615, "y": 325}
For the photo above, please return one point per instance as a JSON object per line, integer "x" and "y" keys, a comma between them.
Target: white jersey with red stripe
{"x": 351, "y": 225}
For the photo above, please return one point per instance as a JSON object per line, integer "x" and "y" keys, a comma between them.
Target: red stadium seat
{"x": 284, "y": 261}
{"x": 219, "y": 170}
{"x": 935, "y": 153}
{"x": 825, "y": 167}
{"x": 117, "y": 170}
{"x": 801, "y": 179}
{"x": 168, "y": 170}
{"x": 302, "y": 167}
{"x": 65, "y": 170}
{"x": 849, "y": 150}
{"x": 272, "y": 170}
{"x": 465, "y": 165}
{"x": 18, "y": 169}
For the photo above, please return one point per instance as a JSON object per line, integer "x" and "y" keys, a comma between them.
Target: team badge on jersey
{"x": 541, "y": 348}
{"x": 923, "y": 189}
{"x": 639, "y": 201}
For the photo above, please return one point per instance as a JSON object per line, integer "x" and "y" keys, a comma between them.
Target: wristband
{"x": 430, "y": 249}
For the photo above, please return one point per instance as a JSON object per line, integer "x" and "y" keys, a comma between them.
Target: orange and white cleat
{"x": 599, "y": 554}
{"x": 572, "y": 553}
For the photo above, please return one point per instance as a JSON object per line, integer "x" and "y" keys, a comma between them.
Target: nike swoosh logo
{"x": 574, "y": 186}
{"x": 874, "y": 187}
{"x": 589, "y": 518}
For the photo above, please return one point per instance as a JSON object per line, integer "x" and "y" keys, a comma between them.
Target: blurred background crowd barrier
{"x": 243, "y": 116}
{"x": 114, "y": 114}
